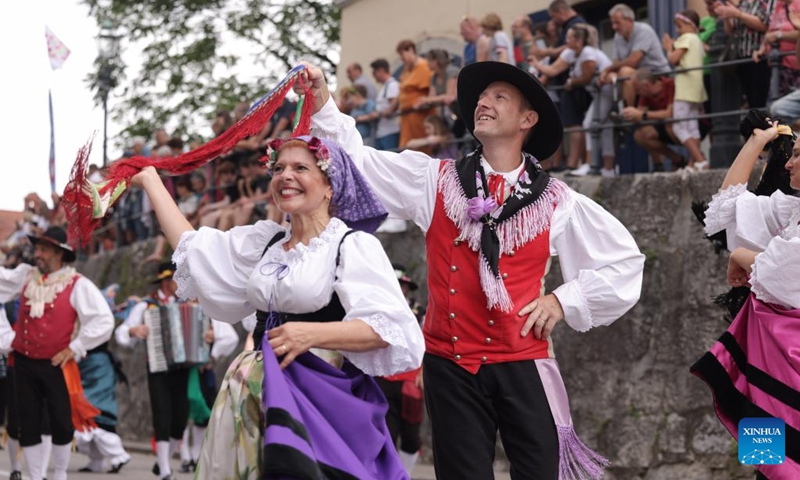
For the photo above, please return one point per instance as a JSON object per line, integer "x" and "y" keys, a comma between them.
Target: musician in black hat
{"x": 54, "y": 299}
{"x": 492, "y": 220}
{"x": 169, "y": 403}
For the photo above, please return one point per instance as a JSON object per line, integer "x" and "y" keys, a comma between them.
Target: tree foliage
{"x": 199, "y": 56}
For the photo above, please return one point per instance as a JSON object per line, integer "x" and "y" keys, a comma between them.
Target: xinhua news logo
{"x": 762, "y": 441}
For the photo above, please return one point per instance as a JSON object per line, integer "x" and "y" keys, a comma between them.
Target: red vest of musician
{"x": 43, "y": 337}
{"x": 458, "y": 324}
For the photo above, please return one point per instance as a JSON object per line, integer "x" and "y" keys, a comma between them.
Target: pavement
{"x": 142, "y": 461}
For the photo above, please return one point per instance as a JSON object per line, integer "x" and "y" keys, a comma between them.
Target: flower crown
{"x": 315, "y": 146}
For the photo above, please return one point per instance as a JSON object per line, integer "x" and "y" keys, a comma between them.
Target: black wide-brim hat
{"x": 473, "y": 80}
{"x": 57, "y": 237}
{"x": 166, "y": 270}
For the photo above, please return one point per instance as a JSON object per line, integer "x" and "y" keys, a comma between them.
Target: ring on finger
{"x": 283, "y": 349}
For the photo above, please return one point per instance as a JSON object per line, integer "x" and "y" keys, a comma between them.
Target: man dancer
{"x": 492, "y": 220}
{"x": 169, "y": 401}
{"x": 54, "y": 298}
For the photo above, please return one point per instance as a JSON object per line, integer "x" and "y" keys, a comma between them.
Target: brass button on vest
{"x": 488, "y": 340}
{"x": 453, "y": 268}
{"x": 455, "y": 339}
{"x": 490, "y": 322}
{"x": 452, "y": 316}
{"x": 457, "y": 357}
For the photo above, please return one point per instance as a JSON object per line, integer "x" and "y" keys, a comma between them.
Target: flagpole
{"x": 52, "y": 145}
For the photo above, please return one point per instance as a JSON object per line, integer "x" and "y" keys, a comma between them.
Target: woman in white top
{"x": 500, "y": 47}
{"x": 584, "y": 60}
{"x": 754, "y": 368}
{"x": 300, "y": 281}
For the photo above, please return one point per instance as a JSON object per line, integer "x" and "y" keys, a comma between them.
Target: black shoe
{"x": 188, "y": 467}
{"x": 167, "y": 477}
{"x": 156, "y": 471}
{"x": 116, "y": 468}
{"x": 85, "y": 470}
{"x": 15, "y": 475}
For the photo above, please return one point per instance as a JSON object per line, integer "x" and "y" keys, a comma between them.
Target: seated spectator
{"x": 636, "y": 45}
{"x": 437, "y": 139}
{"x": 746, "y": 22}
{"x": 656, "y": 96}
{"x": 253, "y": 185}
{"x": 175, "y": 145}
{"x": 387, "y": 135}
{"x": 687, "y": 52}
{"x": 356, "y": 75}
{"x": 583, "y": 60}
{"x": 188, "y": 202}
{"x": 361, "y": 109}
{"x": 781, "y": 31}
{"x": 222, "y": 122}
{"x": 226, "y": 184}
{"x": 500, "y": 47}
{"x": 442, "y": 91}
{"x": 415, "y": 82}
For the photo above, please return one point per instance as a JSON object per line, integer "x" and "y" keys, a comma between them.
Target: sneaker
{"x": 15, "y": 475}
{"x": 581, "y": 171}
{"x": 701, "y": 165}
{"x": 607, "y": 172}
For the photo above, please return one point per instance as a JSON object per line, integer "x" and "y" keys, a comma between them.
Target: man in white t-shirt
{"x": 387, "y": 135}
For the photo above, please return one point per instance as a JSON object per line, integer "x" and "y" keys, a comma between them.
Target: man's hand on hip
{"x": 543, "y": 314}
{"x": 62, "y": 357}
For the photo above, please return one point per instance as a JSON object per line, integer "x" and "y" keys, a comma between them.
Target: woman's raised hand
{"x": 314, "y": 78}
{"x": 767, "y": 135}
{"x": 147, "y": 173}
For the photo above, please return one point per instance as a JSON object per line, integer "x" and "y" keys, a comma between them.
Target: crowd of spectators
{"x": 415, "y": 106}
{"x": 639, "y": 78}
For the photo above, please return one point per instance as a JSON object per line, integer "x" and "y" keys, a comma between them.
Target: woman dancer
{"x": 301, "y": 281}
{"x": 753, "y": 369}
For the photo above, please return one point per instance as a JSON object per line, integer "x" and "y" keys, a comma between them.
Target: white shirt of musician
{"x": 225, "y": 337}
{"x": 94, "y": 315}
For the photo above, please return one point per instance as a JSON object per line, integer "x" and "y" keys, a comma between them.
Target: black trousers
{"x": 41, "y": 386}
{"x": 467, "y": 410}
{"x": 169, "y": 403}
{"x": 408, "y": 433}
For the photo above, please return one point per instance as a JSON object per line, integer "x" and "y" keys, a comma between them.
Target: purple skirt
{"x": 325, "y": 423}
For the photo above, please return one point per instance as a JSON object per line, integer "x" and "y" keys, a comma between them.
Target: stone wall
{"x": 632, "y": 395}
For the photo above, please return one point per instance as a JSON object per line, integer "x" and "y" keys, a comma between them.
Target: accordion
{"x": 176, "y": 334}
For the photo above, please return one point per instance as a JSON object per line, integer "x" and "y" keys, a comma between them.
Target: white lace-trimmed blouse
{"x": 764, "y": 224}
{"x": 227, "y": 274}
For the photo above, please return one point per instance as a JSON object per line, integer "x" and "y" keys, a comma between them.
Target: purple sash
{"x": 325, "y": 423}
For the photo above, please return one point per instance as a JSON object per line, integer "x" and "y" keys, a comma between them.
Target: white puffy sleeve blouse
{"x": 231, "y": 279}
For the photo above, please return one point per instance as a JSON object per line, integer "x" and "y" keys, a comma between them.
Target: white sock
{"x": 174, "y": 445}
{"x": 34, "y": 460}
{"x": 186, "y": 456}
{"x": 47, "y": 441}
{"x": 197, "y": 441}
{"x": 13, "y": 454}
{"x": 408, "y": 460}
{"x": 162, "y": 457}
{"x": 61, "y": 461}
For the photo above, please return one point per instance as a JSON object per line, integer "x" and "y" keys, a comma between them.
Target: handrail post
{"x": 726, "y": 95}
{"x": 595, "y": 129}
{"x": 775, "y": 60}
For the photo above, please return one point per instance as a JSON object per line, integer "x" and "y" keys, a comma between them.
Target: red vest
{"x": 458, "y": 325}
{"x": 43, "y": 337}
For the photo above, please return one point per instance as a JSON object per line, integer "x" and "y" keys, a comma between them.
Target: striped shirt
{"x": 749, "y": 40}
